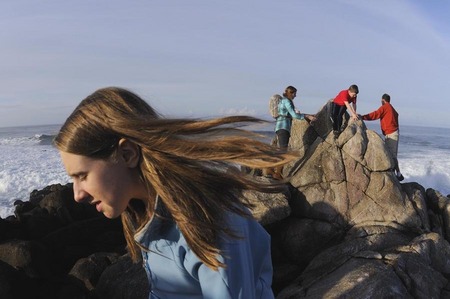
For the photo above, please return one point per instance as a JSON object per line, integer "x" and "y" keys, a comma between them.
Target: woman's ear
{"x": 130, "y": 152}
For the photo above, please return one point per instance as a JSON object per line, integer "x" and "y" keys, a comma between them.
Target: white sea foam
{"x": 431, "y": 170}
{"x": 24, "y": 169}
{"x": 28, "y": 161}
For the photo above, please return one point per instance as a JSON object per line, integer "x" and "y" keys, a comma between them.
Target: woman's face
{"x": 291, "y": 94}
{"x": 109, "y": 185}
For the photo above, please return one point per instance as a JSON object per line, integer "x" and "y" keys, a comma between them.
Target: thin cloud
{"x": 237, "y": 111}
{"x": 6, "y": 106}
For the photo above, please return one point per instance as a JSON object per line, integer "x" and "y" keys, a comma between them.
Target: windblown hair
{"x": 187, "y": 162}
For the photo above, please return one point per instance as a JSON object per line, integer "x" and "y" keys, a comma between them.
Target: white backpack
{"x": 273, "y": 105}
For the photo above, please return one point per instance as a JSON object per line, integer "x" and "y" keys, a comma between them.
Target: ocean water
{"x": 29, "y": 161}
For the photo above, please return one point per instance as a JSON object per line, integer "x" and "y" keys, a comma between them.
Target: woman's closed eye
{"x": 81, "y": 176}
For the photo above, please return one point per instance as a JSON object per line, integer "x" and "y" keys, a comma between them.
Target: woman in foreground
{"x": 179, "y": 197}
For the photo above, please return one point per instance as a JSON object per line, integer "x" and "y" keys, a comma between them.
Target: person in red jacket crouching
{"x": 341, "y": 104}
{"x": 388, "y": 117}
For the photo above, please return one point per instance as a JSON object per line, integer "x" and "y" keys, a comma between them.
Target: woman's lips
{"x": 98, "y": 206}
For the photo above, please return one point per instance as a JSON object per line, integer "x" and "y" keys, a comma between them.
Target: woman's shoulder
{"x": 246, "y": 225}
{"x": 285, "y": 101}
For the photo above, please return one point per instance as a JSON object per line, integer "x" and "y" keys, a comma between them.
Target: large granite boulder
{"x": 355, "y": 231}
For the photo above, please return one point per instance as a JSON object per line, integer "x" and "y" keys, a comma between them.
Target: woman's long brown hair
{"x": 187, "y": 162}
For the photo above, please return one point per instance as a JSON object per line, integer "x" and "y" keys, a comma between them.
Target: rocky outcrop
{"x": 343, "y": 228}
{"x": 354, "y": 231}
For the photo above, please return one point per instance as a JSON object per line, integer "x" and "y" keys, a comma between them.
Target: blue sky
{"x": 211, "y": 58}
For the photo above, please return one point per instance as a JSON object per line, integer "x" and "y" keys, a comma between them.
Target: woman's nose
{"x": 78, "y": 193}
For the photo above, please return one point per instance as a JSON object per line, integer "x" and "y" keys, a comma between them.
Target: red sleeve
{"x": 375, "y": 115}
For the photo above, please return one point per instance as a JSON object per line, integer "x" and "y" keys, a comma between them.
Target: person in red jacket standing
{"x": 388, "y": 117}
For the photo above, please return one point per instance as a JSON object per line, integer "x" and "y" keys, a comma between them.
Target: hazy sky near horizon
{"x": 210, "y": 58}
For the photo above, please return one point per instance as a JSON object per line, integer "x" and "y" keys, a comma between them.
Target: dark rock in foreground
{"x": 56, "y": 248}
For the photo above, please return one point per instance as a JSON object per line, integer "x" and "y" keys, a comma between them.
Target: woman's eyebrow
{"x": 77, "y": 174}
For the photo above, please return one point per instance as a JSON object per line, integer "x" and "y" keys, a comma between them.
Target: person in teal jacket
{"x": 286, "y": 112}
{"x": 175, "y": 271}
{"x": 175, "y": 184}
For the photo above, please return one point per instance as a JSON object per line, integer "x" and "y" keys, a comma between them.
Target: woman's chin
{"x": 111, "y": 215}
{"x": 108, "y": 212}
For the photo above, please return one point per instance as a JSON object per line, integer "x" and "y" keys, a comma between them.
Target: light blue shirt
{"x": 286, "y": 112}
{"x": 175, "y": 272}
